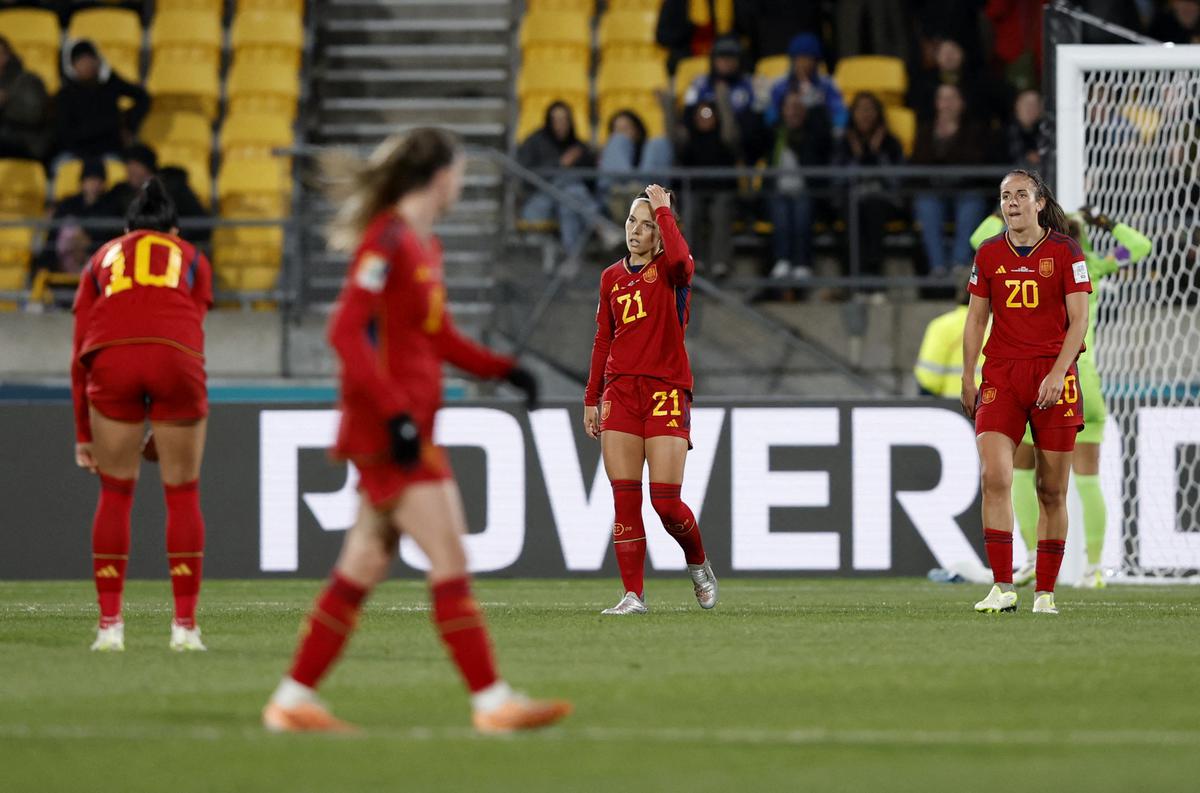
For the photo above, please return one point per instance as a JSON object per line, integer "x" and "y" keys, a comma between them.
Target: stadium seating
{"x": 902, "y": 121}
{"x": 262, "y": 88}
{"x": 293, "y": 6}
{"x": 118, "y": 34}
{"x": 213, "y": 7}
{"x": 182, "y": 129}
{"x": 67, "y": 177}
{"x": 539, "y": 86}
{"x": 533, "y": 116}
{"x": 35, "y": 36}
{"x": 773, "y": 67}
{"x": 248, "y": 136}
{"x": 252, "y": 188}
{"x": 882, "y": 75}
{"x": 247, "y": 258}
{"x": 184, "y": 87}
{"x": 24, "y": 196}
{"x": 189, "y": 37}
{"x": 267, "y": 36}
{"x": 556, "y": 36}
{"x": 585, "y": 7}
{"x": 629, "y": 35}
{"x": 686, "y": 72}
{"x": 199, "y": 173}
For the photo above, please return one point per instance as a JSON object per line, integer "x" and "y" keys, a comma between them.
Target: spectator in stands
{"x": 141, "y": 165}
{"x": 814, "y": 88}
{"x": 950, "y": 68}
{"x": 24, "y": 107}
{"x": 1023, "y": 133}
{"x": 868, "y": 142}
{"x": 556, "y": 145}
{"x": 90, "y": 122}
{"x": 1017, "y": 25}
{"x": 872, "y": 27}
{"x": 727, "y": 73}
{"x": 72, "y": 248}
{"x": 950, "y": 139}
{"x": 957, "y": 20}
{"x": 628, "y": 150}
{"x": 689, "y": 28}
{"x": 709, "y": 138}
{"x": 1179, "y": 22}
{"x": 803, "y": 137}
{"x": 769, "y": 26}
{"x": 90, "y": 208}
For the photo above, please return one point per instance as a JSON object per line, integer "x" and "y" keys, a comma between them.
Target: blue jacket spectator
{"x": 814, "y": 88}
{"x": 727, "y": 70}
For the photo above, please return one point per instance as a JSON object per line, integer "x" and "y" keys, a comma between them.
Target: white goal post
{"x": 1128, "y": 143}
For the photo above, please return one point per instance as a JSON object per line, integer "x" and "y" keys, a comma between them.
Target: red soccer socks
{"x": 110, "y": 545}
{"x": 678, "y": 520}
{"x": 998, "y": 545}
{"x": 185, "y": 548}
{"x": 461, "y": 626}
{"x": 629, "y": 534}
{"x": 329, "y": 626}
{"x": 1049, "y": 560}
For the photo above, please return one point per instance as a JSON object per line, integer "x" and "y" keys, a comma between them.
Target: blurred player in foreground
{"x": 392, "y": 332}
{"x": 1034, "y": 281}
{"x": 138, "y": 353}
{"x": 644, "y": 414}
{"x": 1132, "y": 246}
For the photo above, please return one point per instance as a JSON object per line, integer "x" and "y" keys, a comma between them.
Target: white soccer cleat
{"x": 1044, "y": 604}
{"x": 1025, "y": 575}
{"x": 110, "y": 639}
{"x": 997, "y": 601}
{"x": 1093, "y": 577}
{"x": 630, "y": 604}
{"x": 186, "y": 640}
{"x": 704, "y": 583}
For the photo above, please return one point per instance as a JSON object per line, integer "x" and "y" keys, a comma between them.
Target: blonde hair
{"x": 398, "y": 166}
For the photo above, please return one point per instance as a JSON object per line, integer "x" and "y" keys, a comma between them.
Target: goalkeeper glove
{"x": 524, "y": 380}
{"x": 405, "y": 439}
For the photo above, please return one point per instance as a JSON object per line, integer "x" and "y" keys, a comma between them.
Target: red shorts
{"x": 647, "y": 407}
{"x": 383, "y": 482}
{"x": 128, "y": 382}
{"x": 1007, "y": 401}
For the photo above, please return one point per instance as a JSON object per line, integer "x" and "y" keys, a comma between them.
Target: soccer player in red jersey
{"x": 639, "y": 393}
{"x": 1034, "y": 281}
{"x": 138, "y": 354}
{"x": 392, "y": 333}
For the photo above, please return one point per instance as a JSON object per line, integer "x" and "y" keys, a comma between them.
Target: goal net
{"x": 1128, "y": 143}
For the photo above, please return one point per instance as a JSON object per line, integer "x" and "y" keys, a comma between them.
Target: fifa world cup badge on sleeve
{"x": 1046, "y": 268}
{"x": 1079, "y": 270}
{"x": 975, "y": 273}
{"x": 372, "y": 272}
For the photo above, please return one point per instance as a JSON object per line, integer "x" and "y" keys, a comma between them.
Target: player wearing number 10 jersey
{"x": 1034, "y": 281}
{"x": 639, "y": 393}
{"x": 138, "y": 355}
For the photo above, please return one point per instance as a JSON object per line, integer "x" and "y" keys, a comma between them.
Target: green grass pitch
{"x": 880, "y": 685}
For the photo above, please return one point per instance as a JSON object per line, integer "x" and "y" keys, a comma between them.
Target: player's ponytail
{"x": 1052, "y": 215}
{"x": 361, "y": 190}
{"x": 152, "y": 209}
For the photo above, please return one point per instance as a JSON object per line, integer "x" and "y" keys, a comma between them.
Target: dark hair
{"x": 1052, "y": 215}
{"x": 644, "y": 196}
{"x": 141, "y": 154}
{"x": 634, "y": 119}
{"x": 873, "y": 100}
{"x": 83, "y": 48}
{"x": 152, "y": 208}
{"x": 572, "y": 137}
{"x": 400, "y": 165}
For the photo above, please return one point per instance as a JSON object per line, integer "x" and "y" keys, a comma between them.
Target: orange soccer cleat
{"x": 303, "y": 717}
{"x": 520, "y": 713}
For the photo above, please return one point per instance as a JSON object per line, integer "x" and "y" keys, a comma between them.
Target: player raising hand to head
{"x": 639, "y": 393}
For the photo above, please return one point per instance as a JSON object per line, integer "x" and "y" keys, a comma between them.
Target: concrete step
{"x": 408, "y": 24}
{"x": 484, "y": 133}
{"x": 401, "y": 56}
{"x": 405, "y": 77}
{"x": 430, "y": 106}
{"x": 416, "y": 9}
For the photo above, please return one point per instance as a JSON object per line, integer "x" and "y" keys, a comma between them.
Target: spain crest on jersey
{"x": 1046, "y": 268}
{"x": 650, "y": 274}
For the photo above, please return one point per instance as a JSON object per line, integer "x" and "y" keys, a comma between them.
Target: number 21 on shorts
{"x": 661, "y": 397}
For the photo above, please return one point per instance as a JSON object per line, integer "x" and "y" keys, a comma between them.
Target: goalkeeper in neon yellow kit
{"x": 1132, "y": 246}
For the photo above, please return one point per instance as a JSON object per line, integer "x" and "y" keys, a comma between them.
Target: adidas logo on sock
{"x": 108, "y": 571}
{"x": 181, "y": 569}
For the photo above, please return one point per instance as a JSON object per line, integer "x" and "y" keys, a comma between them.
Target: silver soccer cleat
{"x": 110, "y": 639}
{"x": 997, "y": 600}
{"x": 630, "y": 604}
{"x": 186, "y": 640}
{"x": 704, "y": 583}
{"x": 1044, "y": 604}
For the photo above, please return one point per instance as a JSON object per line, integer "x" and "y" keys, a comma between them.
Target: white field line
{"x": 808, "y": 736}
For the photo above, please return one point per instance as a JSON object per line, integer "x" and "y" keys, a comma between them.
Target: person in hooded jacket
{"x": 90, "y": 122}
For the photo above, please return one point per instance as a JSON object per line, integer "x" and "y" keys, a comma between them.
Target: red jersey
{"x": 1028, "y": 293}
{"x": 392, "y": 332}
{"x": 643, "y": 316}
{"x": 143, "y": 287}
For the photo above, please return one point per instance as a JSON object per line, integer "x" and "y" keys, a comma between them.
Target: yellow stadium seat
{"x": 617, "y": 75}
{"x": 192, "y": 37}
{"x": 560, "y": 36}
{"x": 633, "y": 5}
{"x": 118, "y": 34}
{"x": 253, "y": 188}
{"x": 902, "y": 122}
{"x": 629, "y": 35}
{"x": 557, "y": 81}
{"x": 247, "y": 258}
{"x": 294, "y": 6}
{"x": 35, "y": 36}
{"x": 686, "y": 72}
{"x": 16, "y": 250}
{"x": 199, "y": 174}
{"x": 214, "y": 7}
{"x": 882, "y": 75}
{"x": 539, "y": 54}
{"x": 533, "y": 118}
{"x": 773, "y": 67}
{"x": 272, "y": 36}
{"x": 644, "y": 104}
{"x": 180, "y": 129}
{"x": 24, "y": 193}
{"x": 184, "y": 87}
{"x": 255, "y": 136}
{"x": 262, "y": 88}
{"x": 69, "y": 173}
{"x": 585, "y": 7}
